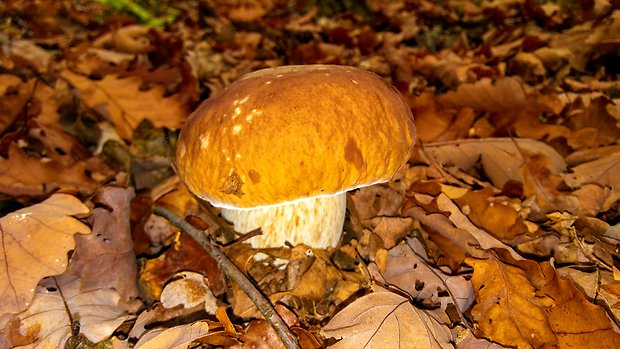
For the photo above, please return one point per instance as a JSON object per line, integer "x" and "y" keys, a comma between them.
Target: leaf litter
{"x": 502, "y": 231}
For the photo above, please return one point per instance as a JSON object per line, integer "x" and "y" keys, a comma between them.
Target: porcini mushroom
{"x": 279, "y": 148}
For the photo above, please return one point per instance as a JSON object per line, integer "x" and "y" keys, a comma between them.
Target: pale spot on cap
{"x": 236, "y": 129}
{"x": 204, "y": 143}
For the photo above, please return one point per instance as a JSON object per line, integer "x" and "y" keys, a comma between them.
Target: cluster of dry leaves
{"x": 503, "y": 231}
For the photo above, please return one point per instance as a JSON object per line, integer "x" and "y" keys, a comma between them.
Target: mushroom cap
{"x": 279, "y": 135}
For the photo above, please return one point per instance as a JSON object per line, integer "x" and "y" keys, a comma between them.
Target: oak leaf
{"x": 105, "y": 258}
{"x": 35, "y": 242}
{"x": 125, "y": 104}
{"x": 385, "y": 320}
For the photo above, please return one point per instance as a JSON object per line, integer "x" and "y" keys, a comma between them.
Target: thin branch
{"x": 234, "y": 273}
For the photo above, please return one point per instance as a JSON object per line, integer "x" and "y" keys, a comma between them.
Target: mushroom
{"x": 279, "y": 148}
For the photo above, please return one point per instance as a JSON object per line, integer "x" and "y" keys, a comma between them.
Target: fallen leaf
{"x": 58, "y": 301}
{"x": 189, "y": 290}
{"x": 15, "y": 94}
{"x": 391, "y": 229}
{"x": 35, "y": 243}
{"x": 603, "y": 172}
{"x": 485, "y": 94}
{"x": 184, "y": 255}
{"x": 411, "y": 272}
{"x": 125, "y": 104}
{"x": 500, "y": 220}
{"x": 178, "y": 337}
{"x": 526, "y": 304}
{"x": 105, "y": 258}
{"x": 500, "y": 158}
{"x": 385, "y": 320}
{"x": 21, "y": 174}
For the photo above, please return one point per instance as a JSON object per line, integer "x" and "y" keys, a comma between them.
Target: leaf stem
{"x": 233, "y": 272}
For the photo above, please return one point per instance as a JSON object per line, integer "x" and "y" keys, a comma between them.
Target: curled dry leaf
{"x": 526, "y": 304}
{"x": 125, "y": 104}
{"x": 59, "y": 301}
{"x": 35, "y": 243}
{"x": 385, "y": 320}
{"x": 500, "y": 158}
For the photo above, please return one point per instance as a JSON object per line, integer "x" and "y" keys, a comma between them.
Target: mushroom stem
{"x": 316, "y": 222}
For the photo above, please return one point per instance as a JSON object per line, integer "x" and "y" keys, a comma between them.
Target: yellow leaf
{"x": 35, "y": 242}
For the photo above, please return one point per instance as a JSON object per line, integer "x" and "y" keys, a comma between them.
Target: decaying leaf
{"x": 385, "y": 320}
{"x": 35, "y": 243}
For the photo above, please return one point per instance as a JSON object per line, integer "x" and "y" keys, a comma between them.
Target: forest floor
{"x": 503, "y": 230}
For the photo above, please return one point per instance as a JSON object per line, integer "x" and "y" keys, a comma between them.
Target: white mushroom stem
{"x": 316, "y": 222}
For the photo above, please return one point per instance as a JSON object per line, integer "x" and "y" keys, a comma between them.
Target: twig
{"x": 233, "y": 272}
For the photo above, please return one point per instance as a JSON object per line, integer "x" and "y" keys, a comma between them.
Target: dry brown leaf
{"x": 189, "y": 290}
{"x": 392, "y": 229}
{"x": 184, "y": 255}
{"x": 385, "y": 320}
{"x": 461, "y": 221}
{"x": 105, "y": 258}
{"x": 47, "y": 324}
{"x": 178, "y": 337}
{"x": 21, "y": 174}
{"x": 540, "y": 185}
{"x": 125, "y": 104}
{"x": 500, "y": 220}
{"x": 526, "y": 304}
{"x": 506, "y": 93}
{"x": 603, "y": 171}
{"x": 411, "y": 272}
{"x": 35, "y": 243}
{"x": 596, "y": 115}
{"x": 15, "y": 94}
{"x": 302, "y": 278}
{"x": 501, "y": 158}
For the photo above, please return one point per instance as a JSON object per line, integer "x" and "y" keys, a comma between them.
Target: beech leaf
{"x": 385, "y": 320}
{"x": 35, "y": 242}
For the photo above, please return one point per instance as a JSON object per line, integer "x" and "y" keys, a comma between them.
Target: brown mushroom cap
{"x": 283, "y": 134}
